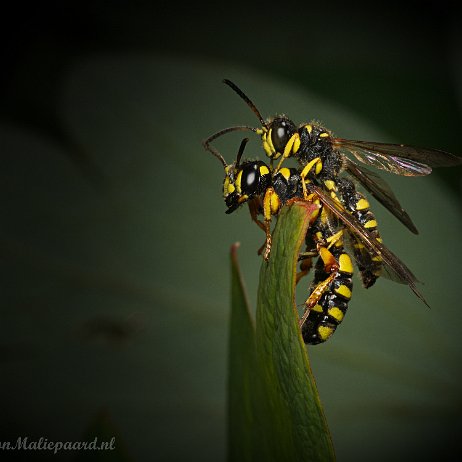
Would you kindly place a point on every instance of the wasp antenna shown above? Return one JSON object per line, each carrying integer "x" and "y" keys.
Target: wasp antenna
{"x": 247, "y": 100}
{"x": 213, "y": 151}
{"x": 241, "y": 151}
{"x": 238, "y": 128}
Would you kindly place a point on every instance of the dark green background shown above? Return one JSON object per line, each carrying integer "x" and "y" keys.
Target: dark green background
{"x": 114, "y": 241}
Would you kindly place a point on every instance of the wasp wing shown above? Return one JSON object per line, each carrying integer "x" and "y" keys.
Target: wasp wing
{"x": 381, "y": 191}
{"x": 393, "y": 266}
{"x": 399, "y": 159}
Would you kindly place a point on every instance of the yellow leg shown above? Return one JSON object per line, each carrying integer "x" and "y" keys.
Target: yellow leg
{"x": 279, "y": 164}
{"x": 291, "y": 147}
{"x": 330, "y": 266}
{"x": 271, "y": 205}
{"x": 334, "y": 238}
{"x": 315, "y": 162}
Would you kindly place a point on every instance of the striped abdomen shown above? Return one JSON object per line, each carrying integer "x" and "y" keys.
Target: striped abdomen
{"x": 328, "y": 312}
{"x": 369, "y": 265}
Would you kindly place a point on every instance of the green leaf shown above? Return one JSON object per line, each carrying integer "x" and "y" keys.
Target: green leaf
{"x": 274, "y": 409}
{"x": 241, "y": 372}
{"x": 298, "y": 428}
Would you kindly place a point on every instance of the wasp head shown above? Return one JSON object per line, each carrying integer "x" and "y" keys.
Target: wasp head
{"x": 244, "y": 182}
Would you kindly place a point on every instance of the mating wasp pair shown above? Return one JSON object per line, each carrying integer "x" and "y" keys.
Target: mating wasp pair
{"x": 326, "y": 177}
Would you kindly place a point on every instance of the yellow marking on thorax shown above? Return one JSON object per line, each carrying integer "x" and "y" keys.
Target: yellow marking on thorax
{"x": 336, "y": 313}
{"x": 323, "y": 135}
{"x": 330, "y": 185}
{"x": 317, "y": 308}
{"x": 344, "y": 291}
{"x": 264, "y": 170}
{"x": 285, "y": 172}
{"x": 309, "y": 128}
{"x": 325, "y": 332}
{"x": 362, "y": 204}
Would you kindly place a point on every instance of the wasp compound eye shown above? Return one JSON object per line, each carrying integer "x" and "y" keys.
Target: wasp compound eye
{"x": 281, "y": 131}
{"x": 250, "y": 179}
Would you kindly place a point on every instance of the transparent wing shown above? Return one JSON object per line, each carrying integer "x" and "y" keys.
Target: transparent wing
{"x": 397, "y": 158}
{"x": 381, "y": 191}
{"x": 393, "y": 267}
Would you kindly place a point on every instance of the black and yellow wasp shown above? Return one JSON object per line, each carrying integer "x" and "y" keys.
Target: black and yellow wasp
{"x": 325, "y": 177}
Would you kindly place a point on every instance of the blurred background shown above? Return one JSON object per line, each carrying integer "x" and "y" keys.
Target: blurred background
{"x": 114, "y": 242}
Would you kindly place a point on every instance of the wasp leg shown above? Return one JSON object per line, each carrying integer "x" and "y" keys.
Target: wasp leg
{"x": 254, "y": 209}
{"x": 306, "y": 258}
{"x": 268, "y": 241}
{"x": 271, "y": 206}
{"x": 317, "y": 165}
{"x": 331, "y": 292}
{"x": 329, "y": 267}
{"x": 306, "y": 263}
{"x": 290, "y": 148}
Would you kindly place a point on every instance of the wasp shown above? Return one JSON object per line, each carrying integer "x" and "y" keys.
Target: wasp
{"x": 335, "y": 222}
{"x": 324, "y": 157}
{"x": 328, "y": 177}
{"x": 328, "y": 174}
